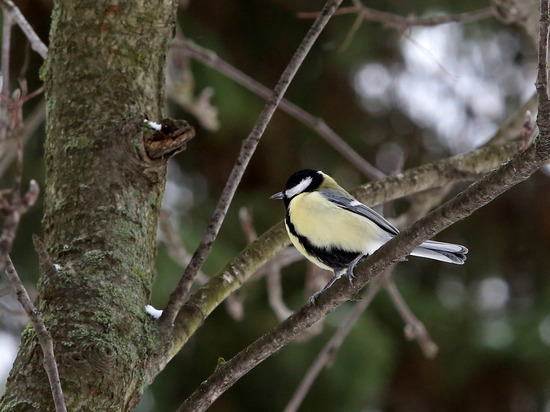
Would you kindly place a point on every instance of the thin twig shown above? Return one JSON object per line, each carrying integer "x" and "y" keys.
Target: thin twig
{"x": 211, "y": 59}
{"x": 49, "y": 269}
{"x": 7, "y": 24}
{"x": 351, "y": 33}
{"x": 414, "y": 328}
{"x": 476, "y": 196}
{"x": 234, "y": 306}
{"x": 275, "y": 240}
{"x": 398, "y": 22}
{"x": 245, "y": 219}
{"x": 518, "y": 169}
{"x": 528, "y": 130}
{"x": 30, "y": 125}
{"x": 247, "y": 150}
{"x": 401, "y": 23}
{"x": 330, "y": 350}
{"x": 174, "y": 245}
{"x": 272, "y": 269}
{"x": 6, "y": 123}
{"x": 36, "y": 44}
{"x": 11, "y": 222}
{"x": 542, "y": 73}
{"x": 42, "y": 334}
{"x": 286, "y": 258}
{"x": 275, "y": 291}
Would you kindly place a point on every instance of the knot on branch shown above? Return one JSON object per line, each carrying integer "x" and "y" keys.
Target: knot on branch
{"x": 170, "y": 137}
{"x": 101, "y": 356}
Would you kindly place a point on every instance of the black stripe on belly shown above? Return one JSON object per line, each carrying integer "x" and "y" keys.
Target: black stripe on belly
{"x": 337, "y": 259}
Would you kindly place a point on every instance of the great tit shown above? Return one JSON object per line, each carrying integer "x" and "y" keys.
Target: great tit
{"x": 335, "y": 231}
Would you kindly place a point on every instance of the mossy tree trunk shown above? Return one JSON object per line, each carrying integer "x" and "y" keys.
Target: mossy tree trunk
{"x": 104, "y": 74}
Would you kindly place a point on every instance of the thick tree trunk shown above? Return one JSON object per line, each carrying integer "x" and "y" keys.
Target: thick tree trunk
{"x": 104, "y": 74}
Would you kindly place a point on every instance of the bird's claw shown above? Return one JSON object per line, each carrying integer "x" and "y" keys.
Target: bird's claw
{"x": 313, "y": 298}
{"x": 350, "y": 275}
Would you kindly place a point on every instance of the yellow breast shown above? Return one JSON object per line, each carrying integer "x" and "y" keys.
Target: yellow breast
{"x": 327, "y": 225}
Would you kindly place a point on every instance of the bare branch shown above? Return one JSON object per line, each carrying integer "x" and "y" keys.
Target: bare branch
{"x": 468, "y": 166}
{"x": 275, "y": 292}
{"x": 31, "y": 123}
{"x": 509, "y": 129}
{"x": 423, "y": 202}
{"x": 401, "y": 23}
{"x": 14, "y": 211}
{"x": 247, "y": 150}
{"x": 245, "y": 218}
{"x": 542, "y": 73}
{"x": 210, "y": 59}
{"x": 476, "y": 196}
{"x": 7, "y": 24}
{"x": 351, "y": 33}
{"x": 5, "y": 118}
{"x": 330, "y": 350}
{"x": 414, "y": 328}
{"x": 234, "y": 306}
{"x": 36, "y": 44}
{"x": 48, "y": 267}
{"x": 440, "y": 173}
{"x": 528, "y": 130}
{"x": 273, "y": 241}
{"x": 285, "y": 258}
{"x": 272, "y": 269}
{"x": 42, "y": 334}
{"x": 518, "y": 169}
{"x": 175, "y": 247}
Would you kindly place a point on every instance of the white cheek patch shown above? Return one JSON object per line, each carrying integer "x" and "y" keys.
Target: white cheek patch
{"x": 299, "y": 188}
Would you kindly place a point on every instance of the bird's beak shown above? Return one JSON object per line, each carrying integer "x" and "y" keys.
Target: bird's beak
{"x": 277, "y": 196}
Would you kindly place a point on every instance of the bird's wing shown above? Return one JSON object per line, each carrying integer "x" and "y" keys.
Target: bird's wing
{"x": 355, "y": 206}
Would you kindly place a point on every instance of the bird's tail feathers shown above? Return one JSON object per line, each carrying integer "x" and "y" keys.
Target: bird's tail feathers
{"x": 444, "y": 252}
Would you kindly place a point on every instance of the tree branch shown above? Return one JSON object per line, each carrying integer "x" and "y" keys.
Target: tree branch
{"x": 518, "y": 169}
{"x": 235, "y": 273}
{"x": 414, "y": 328}
{"x": 174, "y": 245}
{"x": 399, "y": 22}
{"x": 273, "y": 241}
{"x": 476, "y": 196}
{"x": 7, "y": 23}
{"x": 341, "y": 291}
{"x": 330, "y": 350}
{"x": 44, "y": 338}
{"x": 247, "y": 150}
{"x": 211, "y": 59}
{"x": 423, "y": 202}
{"x": 36, "y": 44}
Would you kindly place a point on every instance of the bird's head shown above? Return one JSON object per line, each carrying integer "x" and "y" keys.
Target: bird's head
{"x": 305, "y": 180}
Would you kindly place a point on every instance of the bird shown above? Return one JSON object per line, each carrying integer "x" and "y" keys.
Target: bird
{"x": 335, "y": 231}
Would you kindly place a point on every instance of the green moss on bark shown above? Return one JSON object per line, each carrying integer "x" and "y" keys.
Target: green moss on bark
{"x": 103, "y": 75}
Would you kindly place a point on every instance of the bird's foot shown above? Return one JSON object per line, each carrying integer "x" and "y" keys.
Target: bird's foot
{"x": 313, "y": 298}
{"x": 349, "y": 272}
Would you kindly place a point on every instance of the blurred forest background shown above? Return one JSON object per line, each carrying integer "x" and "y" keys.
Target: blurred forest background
{"x": 400, "y": 98}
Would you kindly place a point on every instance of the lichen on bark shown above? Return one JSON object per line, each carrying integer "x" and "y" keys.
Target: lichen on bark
{"x": 104, "y": 75}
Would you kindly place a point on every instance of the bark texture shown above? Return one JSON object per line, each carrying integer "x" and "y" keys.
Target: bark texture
{"x": 103, "y": 76}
